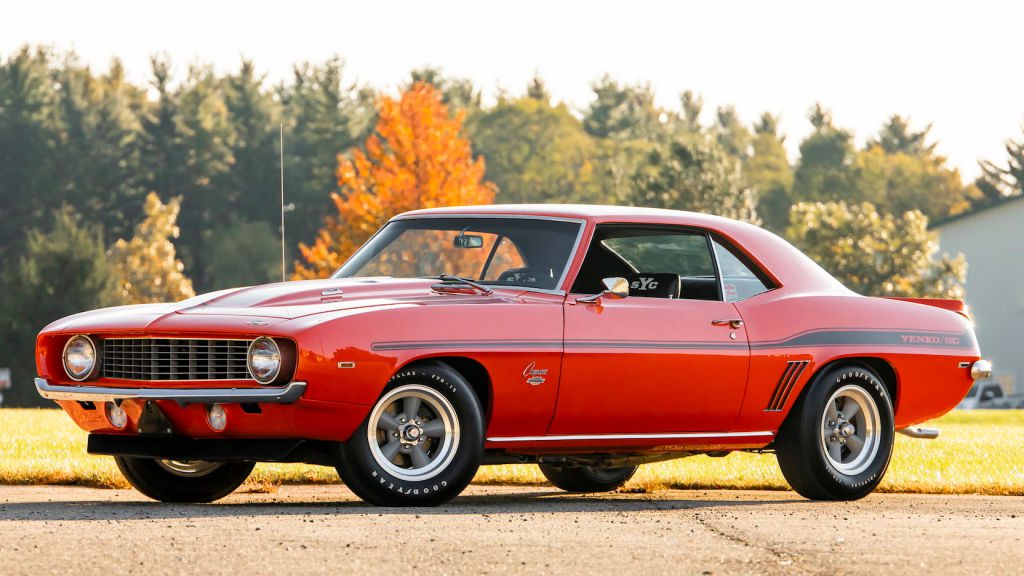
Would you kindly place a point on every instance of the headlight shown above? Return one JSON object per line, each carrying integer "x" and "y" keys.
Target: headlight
{"x": 264, "y": 360}
{"x": 79, "y": 358}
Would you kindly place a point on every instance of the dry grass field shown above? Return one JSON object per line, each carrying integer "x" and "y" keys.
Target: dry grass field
{"x": 977, "y": 452}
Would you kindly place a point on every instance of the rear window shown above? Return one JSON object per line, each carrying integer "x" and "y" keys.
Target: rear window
{"x": 739, "y": 281}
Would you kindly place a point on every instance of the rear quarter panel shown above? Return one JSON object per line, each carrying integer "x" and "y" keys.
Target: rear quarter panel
{"x": 923, "y": 345}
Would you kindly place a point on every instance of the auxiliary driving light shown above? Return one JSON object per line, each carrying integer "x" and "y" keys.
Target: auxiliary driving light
{"x": 116, "y": 415}
{"x": 217, "y": 417}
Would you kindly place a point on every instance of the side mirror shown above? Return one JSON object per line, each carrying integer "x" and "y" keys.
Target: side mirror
{"x": 614, "y": 289}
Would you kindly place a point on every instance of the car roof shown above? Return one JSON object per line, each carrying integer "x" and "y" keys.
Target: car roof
{"x": 773, "y": 254}
{"x": 581, "y": 211}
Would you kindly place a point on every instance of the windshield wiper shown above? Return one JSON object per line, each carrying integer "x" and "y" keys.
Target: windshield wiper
{"x": 459, "y": 279}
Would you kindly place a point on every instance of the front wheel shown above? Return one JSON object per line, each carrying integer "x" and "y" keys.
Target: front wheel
{"x": 587, "y": 478}
{"x": 183, "y": 480}
{"x": 837, "y": 440}
{"x": 421, "y": 443}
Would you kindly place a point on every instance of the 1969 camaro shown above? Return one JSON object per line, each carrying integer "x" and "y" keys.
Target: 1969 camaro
{"x": 585, "y": 339}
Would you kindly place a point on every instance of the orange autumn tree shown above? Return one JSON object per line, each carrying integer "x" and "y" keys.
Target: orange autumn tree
{"x": 415, "y": 158}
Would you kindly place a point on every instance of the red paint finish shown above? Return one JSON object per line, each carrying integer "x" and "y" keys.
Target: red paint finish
{"x": 650, "y": 365}
{"x": 632, "y": 375}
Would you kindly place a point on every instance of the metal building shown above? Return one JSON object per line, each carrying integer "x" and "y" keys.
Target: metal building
{"x": 992, "y": 239}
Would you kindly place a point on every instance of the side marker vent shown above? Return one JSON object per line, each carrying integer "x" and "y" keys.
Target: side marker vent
{"x": 794, "y": 369}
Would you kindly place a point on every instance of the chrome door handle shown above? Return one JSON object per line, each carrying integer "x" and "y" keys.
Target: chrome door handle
{"x": 732, "y": 323}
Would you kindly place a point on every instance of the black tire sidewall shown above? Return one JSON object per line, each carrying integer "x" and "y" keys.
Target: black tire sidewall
{"x": 371, "y": 482}
{"x": 151, "y": 479}
{"x": 587, "y": 478}
{"x": 837, "y": 484}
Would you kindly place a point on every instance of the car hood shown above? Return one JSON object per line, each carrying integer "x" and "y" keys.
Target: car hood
{"x": 280, "y": 301}
{"x": 289, "y": 300}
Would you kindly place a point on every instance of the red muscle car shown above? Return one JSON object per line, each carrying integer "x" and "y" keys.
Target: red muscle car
{"x": 586, "y": 339}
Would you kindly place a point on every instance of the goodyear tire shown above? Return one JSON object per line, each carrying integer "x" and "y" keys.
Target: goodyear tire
{"x": 587, "y": 478}
{"x": 422, "y": 442}
{"x": 183, "y": 481}
{"x": 838, "y": 438}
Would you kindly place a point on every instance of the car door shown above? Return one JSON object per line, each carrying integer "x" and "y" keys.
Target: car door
{"x": 657, "y": 361}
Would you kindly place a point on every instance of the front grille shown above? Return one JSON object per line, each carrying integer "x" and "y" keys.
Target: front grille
{"x": 175, "y": 359}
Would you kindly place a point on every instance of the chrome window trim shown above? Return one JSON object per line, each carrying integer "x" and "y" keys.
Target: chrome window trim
{"x": 565, "y": 271}
{"x": 276, "y": 395}
{"x": 670, "y": 436}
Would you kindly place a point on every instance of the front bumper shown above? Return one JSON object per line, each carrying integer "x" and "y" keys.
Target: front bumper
{"x": 183, "y": 396}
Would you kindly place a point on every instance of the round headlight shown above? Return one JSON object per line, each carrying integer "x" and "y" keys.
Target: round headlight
{"x": 264, "y": 360}
{"x": 79, "y": 358}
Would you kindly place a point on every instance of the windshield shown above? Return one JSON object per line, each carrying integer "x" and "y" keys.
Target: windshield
{"x": 525, "y": 252}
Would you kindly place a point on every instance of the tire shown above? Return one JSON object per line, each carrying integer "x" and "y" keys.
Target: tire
{"x": 173, "y": 481}
{"x": 393, "y": 459}
{"x": 587, "y": 478}
{"x": 827, "y": 455}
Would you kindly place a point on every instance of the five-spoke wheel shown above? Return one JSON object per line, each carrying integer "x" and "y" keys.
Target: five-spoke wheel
{"x": 849, "y": 430}
{"x": 837, "y": 440}
{"x": 413, "y": 432}
{"x": 421, "y": 443}
{"x": 183, "y": 480}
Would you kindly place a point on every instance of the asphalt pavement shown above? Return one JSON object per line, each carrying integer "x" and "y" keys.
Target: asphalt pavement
{"x": 507, "y": 529}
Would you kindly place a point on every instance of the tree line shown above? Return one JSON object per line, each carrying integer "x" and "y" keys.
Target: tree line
{"x": 113, "y": 192}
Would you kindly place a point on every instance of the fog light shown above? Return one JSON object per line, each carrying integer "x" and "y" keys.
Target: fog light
{"x": 217, "y": 417}
{"x": 115, "y": 415}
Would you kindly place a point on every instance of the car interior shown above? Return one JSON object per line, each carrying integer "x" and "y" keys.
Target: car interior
{"x": 657, "y": 263}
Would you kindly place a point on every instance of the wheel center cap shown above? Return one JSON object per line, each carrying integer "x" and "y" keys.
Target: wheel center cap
{"x": 412, "y": 433}
{"x": 846, "y": 430}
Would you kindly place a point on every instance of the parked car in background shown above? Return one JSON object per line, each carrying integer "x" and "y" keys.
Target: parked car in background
{"x": 989, "y": 395}
{"x": 586, "y": 339}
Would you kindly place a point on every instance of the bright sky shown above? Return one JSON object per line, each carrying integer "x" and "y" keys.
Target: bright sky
{"x": 956, "y": 65}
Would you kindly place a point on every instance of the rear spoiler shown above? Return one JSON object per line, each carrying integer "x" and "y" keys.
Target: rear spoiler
{"x": 950, "y": 304}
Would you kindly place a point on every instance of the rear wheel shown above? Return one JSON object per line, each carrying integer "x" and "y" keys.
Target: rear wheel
{"x": 587, "y": 478}
{"x": 183, "y": 480}
{"x": 421, "y": 443}
{"x": 838, "y": 438}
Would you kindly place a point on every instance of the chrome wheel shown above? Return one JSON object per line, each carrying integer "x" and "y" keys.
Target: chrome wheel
{"x": 189, "y": 468}
{"x": 413, "y": 432}
{"x": 850, "y": 427}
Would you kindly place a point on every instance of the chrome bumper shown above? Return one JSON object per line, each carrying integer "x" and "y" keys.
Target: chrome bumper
{"x": 981, "y": 369}
{"x": 274, "y": 395}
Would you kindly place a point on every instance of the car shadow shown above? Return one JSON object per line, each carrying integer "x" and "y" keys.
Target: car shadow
{"x": 548, "y": 502}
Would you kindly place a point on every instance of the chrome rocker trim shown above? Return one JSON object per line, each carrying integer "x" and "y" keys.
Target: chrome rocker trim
{"x": 276, "y": 395}
{"x": 671, "y": 436}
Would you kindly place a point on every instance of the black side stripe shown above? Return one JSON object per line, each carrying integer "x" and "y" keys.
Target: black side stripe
{"x": 854, "y": 337}
{"x": 794, "y": 370}
{"x": 809, "y": 339}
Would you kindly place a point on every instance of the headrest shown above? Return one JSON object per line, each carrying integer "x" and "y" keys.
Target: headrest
{"x": 654, "y": 284}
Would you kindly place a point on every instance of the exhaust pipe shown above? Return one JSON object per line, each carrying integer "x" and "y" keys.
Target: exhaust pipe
{"x": 919, "y": 432}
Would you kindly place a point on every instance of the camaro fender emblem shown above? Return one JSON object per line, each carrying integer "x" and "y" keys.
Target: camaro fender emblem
{"x": 534, "y": 376}
{"x": 257, "y": 322}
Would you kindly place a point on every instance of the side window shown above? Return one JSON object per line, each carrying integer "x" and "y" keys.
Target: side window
{"x": 738, "y": 280}
{"x": 657, "y": 261}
